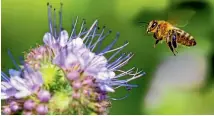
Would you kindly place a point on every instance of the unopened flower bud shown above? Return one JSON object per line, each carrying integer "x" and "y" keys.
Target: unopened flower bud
{"x": 7, "y": 111}
{"x": 77, "y": 84}
{"x": 87, "y": 81}
{"x": 28, "y": 113}
{"x": 14, "y": 106}
{"x": 73, "y": 75}
{"x": 42, "y": 109}
{"x": 44, "y": 96}
{"x": 76, "y": 95}
{"x": 29, "y": 104}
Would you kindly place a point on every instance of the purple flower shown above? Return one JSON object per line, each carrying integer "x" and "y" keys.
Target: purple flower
{"x": 29, "y": 105}
{"x": 73, "y": 75}
{"x": 27, "y": 113}
{"x": 14, "y": 106}
{"x": 44, "y": 96}
{"x": 20, "y": 83}
{"x": 68, "y": 70}
{"x": 76, "y": 95}
{"x": 42, "y": 109}
{"x": 77, "y": 85}
{"x": 81, "y": 53}
{"x": 7, "y": 111}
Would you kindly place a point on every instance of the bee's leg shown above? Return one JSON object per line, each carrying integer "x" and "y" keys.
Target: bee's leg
{"x": 154, "y": 35}
{"x": 176, "y": 50}
{"x": 171, "y": 48}
{"x": 156, "y": 42}
{"x": 174, "y": 43}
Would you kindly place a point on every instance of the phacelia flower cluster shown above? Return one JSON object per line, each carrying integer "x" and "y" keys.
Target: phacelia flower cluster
{"x": 69, "y": 74}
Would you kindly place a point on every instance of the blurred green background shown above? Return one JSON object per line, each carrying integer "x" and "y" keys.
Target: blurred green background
{"x": 24, "y": 23}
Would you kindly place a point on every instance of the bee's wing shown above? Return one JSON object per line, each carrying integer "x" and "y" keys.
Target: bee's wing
{"x": 180, "y": 18}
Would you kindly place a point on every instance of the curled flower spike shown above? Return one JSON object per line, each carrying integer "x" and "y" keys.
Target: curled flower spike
{"x": 70, "y": 73}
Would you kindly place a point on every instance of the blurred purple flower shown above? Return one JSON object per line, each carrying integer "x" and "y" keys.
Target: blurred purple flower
{"x": 42, "y": 109}
{"x": 20, "y": 83}
{"x": 7, "y": 111}
{"x": 44, "y": 96}
{"x": 29, "y": 105}
{"x": 14, "y": 106}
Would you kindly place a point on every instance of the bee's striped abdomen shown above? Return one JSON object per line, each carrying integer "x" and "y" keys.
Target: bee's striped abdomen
{"x": 185, "y": 38}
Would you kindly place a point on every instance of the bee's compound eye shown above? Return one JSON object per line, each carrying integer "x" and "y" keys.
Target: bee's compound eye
{"x": 154, "y": 24}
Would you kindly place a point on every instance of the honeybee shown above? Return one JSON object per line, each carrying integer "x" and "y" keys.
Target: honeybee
{"x": 168, "y": 31}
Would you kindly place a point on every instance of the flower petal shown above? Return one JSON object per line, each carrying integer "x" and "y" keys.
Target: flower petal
{"x": 5, "y": 85}
{"x": 4, "y": 95}
{"x": 101, "y": 60}
{"x": 63, "y": 38}
{"x": 75, "y": 44}
{"x": 13, "y": 72}
{"x": 16, "y": 84}
{"x": 22, "y": 94}
{"x": 48, "y": 39}
{"x": 28, "y": 78}
{"x": 71, "y": 58}
{"x": 11, "y": 91}
{"x": 19, "y": 79}
{"x": 88, "y": 56}
{"x": 111, "y": 74}
{"x": 102, "y": 76}
{"x": 59, "y": 58}
{"x": 107, "y": 88}
{"x": 37, "y": 78}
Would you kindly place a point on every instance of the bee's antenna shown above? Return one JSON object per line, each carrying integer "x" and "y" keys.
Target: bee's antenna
{"x": 144, "y": 25}
{"x": 144, "y": 22}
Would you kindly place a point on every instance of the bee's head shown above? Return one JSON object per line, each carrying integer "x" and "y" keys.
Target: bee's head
{"x": 152, "y": 26}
